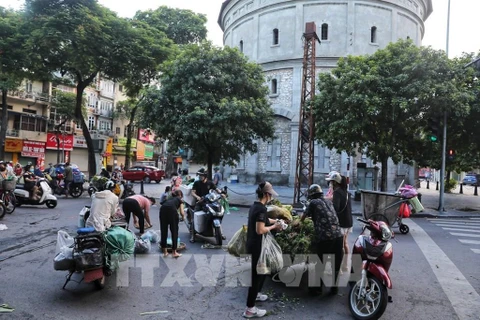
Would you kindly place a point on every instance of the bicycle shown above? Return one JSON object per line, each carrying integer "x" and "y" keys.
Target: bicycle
{"x": 7, "y": 195}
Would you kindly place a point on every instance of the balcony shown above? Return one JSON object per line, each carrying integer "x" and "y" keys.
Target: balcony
{"x": 30, "y": 95}
{"x": 13, "y": 133}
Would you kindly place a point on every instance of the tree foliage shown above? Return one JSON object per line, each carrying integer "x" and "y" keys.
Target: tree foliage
{"x": 81, "y": 39}
{"x": 12, "y": 62}
{"x": 379, "y": 104}
{"x": 213, "y": 101}
{"x": 181, "y": 26}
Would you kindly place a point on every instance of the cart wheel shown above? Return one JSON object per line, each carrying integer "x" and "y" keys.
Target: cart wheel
{"x": 404, "y": 229}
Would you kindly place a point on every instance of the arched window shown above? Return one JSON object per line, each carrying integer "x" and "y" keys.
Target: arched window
{"x": 324, "y": 32}
{"x": 274, "y": 87}
{"x": 275, "y": 36}
{"x": 241, "y": 46}
{"x": 373, "y": 35}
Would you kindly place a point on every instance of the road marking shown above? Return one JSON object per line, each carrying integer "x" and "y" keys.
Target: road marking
{"x": 462, "y": 295}
{"x": 476, "y": 250}
{"x": 469, "y": 241}
{"x": 459, "y": 226}
{"x": 470, "y": 223}
{"x": 454, "y": 220}
{"x": 459, "y": 229}
{"x": 465, "y": 235}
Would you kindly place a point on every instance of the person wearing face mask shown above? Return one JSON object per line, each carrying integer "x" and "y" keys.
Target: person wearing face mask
{"x": 30, "y": 181}
{"x": 258, "y": 225}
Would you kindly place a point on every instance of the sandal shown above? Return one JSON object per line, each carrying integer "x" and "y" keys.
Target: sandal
{"x": 136, "y": 225}
{"x": 147, "y": 225}
{"x": 178, "y": 255}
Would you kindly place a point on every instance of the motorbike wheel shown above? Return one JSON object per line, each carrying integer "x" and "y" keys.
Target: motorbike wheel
{"x": 100, "y": 283}
{"x": 76, "y": 191}
{"x": 51, "y": 204}
{"x": 370, "y": 304}
{"x": 2, "y": 210}
{"x": 9, "y": 203}
{"x": 218, "y": 236}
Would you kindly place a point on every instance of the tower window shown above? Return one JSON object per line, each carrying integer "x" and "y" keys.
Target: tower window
{"x": 275, "y": 36}
{"x": 274, "y": 86}
{"x": 241, "y": 46}
{"x": 373, "y": 35}
{"x": 324, "y": 31}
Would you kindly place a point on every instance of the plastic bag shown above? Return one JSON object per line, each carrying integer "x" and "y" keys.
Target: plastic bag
{"x": 142, "y": 246}
{"x": 119, "y": 215}
{"x": 151, "y": 236}
{"x": 64, "y": 243}
{"x": 120, "y": 244}
{"x": 416, "y": 205}
{"x": 408, "y": 191}
{"x": 238, "y": 244}
{"x": 404, "y": 210}
{"x": 271, "y": 260}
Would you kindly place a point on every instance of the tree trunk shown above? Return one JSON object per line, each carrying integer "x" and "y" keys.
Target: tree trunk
{"x": 92, "y": 164}
{"x": 169, "y": 166}
{"x": 129, "y": 137}
{"x": 3, "y": 129}
{"x": 57, "y": 133}
{"x": 383, "y": 184}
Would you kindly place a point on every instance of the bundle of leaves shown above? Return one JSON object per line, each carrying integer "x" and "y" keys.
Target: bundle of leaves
{"x": 99, "y": 182}
{"x": 296, "y": 239}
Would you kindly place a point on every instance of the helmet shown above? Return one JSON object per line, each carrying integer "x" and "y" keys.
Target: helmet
{"x": 109, "y": 185}
{"x": 314, "y": 189}
{"x": 334, "y": 176}
{"x": 103, "y": 168}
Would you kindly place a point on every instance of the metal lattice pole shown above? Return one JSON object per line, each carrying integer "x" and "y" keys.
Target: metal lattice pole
{"x": 305, "y": 152}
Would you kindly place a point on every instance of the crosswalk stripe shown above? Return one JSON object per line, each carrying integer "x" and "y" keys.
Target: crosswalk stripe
{"x": 469, "y": 241}
{"x": 465, "y": 235}
{"x": 476, "y": 250}
{"x": 462, "y": 295}
{"x": 454, "y": 220}
{"x": 458, "y": 225}
{"x": 472, "y": 223}
{"x": 459, "y": 229}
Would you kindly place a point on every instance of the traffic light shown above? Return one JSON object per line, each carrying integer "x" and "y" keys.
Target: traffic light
{"x": 434, "y": 131}
{"x": 450, "y": 154}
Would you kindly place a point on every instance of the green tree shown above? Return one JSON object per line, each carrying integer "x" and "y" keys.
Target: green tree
{"x": 12, "y": 62}
{"x": 64, "y": 104}
{"x": 181, "y": 26}
{"x": 82, "y": 40}
{"x": 379, "y": 104}
{"x": 213, "y": 101}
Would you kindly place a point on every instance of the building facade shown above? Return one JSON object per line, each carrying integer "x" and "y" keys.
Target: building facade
{"x": 270, "y": 32}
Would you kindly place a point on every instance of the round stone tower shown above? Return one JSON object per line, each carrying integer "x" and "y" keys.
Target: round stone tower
{"x": 270, "y": 32}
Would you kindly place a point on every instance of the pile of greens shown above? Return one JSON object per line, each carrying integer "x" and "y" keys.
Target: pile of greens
{"x": 296, "y": 239}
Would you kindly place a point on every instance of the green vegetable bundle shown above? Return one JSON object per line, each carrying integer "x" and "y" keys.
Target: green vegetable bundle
{"x": 296, "y": 239}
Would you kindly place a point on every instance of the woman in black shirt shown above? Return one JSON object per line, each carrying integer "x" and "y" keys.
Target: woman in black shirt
{"x": 258, "y": 225}
{"x": 169, "y": 217}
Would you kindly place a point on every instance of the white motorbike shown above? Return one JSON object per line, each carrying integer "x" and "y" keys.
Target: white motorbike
{"x": 46, "y": 196}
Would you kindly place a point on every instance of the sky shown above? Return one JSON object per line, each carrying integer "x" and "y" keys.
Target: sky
{"x": 464, "y": 20}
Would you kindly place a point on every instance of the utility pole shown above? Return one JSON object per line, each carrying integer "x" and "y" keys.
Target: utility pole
{"x": 304, "y": 168}
{"x": 441, "y": 207}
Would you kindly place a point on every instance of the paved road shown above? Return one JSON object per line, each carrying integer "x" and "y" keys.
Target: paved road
{"x": 29, "y": 283}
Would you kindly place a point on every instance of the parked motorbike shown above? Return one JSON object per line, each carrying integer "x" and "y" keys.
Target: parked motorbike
{"x": 122, "y": 190}
{"x": 57, "y": 185}
{"x": 368, "y": 297}
{"x": 46, "y": 196}
{"x": 206, "y": 224}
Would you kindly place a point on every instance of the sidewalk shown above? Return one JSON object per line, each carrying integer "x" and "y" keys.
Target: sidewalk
{"x": 456, "y": 205}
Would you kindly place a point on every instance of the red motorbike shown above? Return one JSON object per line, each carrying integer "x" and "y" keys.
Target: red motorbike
{"x": 368, "y": 296}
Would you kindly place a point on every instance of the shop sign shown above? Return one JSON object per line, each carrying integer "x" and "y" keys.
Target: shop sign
{"x": 65, "y": 141}
{"x": 109, "y": 148}
{"x": 148, "y": 151}
{"x": 146, "y": 135}
{"x": 34, "y": 149}
{"x": 79, "y": 142}
{"x": 13, "y": 145}
{"x": 140, "y": 150}
{"x": 122, "y": 142}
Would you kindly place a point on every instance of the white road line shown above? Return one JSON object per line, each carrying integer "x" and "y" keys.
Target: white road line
{"x": 470, "y": 223}
{"x": 454, "y": 220}
{"x": 466, "y": 241}
{"x": 462, "y": 295}
{"x": 458, "y": 226}
{"x": 465, "y": 235}
{"x": 476, "y": 250}
{"x": 459, "y": 229}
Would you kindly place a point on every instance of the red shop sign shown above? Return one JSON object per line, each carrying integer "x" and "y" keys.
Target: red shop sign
{"x": 65, "y": 140}
{"x": 34, "y": 149}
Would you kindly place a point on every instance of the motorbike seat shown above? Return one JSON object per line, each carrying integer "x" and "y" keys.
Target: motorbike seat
{"x": 86, "y": 230}
{"x": 20, "y": 186}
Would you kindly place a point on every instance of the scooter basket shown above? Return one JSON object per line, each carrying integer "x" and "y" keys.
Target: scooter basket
{"x": 8, "y": 185}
